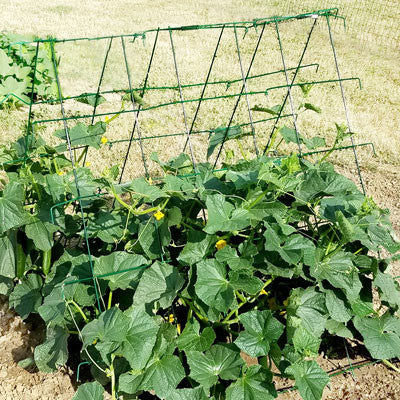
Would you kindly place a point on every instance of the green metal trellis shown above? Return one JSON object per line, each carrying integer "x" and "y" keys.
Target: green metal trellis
{"x": 290, "y": 74}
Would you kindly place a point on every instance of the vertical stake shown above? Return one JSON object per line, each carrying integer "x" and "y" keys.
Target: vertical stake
{"x": 182, "y": 101}
{"x": 29, "y": 131}
{"x": 291, "y": 84}
{"x": 86, "y": 149}
{"x": 72, "y": 158}
{"x": 344, "y": 103}
{"x": 253, "y": 131}
{"x": 240, "y": 95}
{"x": 205, "y": 85}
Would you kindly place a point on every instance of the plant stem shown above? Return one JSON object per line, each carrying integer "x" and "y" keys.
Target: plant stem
{"x": 390, "y": 365}
{"x": 113, "y": 393}
{"x": 78, "y": 309}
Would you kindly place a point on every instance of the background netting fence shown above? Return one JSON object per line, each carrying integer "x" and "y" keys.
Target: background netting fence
{"x": 368, "y": 20}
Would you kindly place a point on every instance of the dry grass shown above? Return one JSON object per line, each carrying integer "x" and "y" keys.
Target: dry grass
{"x": 374, "y": 111}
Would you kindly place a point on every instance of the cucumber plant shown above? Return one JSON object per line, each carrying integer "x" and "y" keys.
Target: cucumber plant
{"x": 267, "y": 258}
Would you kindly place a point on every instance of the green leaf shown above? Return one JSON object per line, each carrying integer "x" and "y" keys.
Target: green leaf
{"x": 26, "y": 296}
{"x": 312, "y": 107}
{"x": 261, "y": 328}
{"x": 389, "y": 289}
{"x": 289, "y": 135}
{"x": 111, "y": 326}
{"x": 197, "y": 246}
{"x": 338, "y": 328}
{"x": 272, "y": 110}
{"x": 222, "y": 215}
{"x": 314, "y": 142}
{"x": 87, "y": 98}
{"x": 129, "y": 382}
{"x": 255, "y": 384}
{"x": 12, "y": 213}
{"x": 8, "y": 255}
{"x": 187, "y": 394}
{"x": 192, "y": 339}
{"x": 41, "y": 233}
{"x": 305, "y": 343}
{"x": 89, "y": 391}
{"x": 212, "y": 286}
{"x": 160, "y": 282}
{"x": 245, "y": 281}
{"x": 124, "y": 269}
{"x": 140, "y": 337}
{"x": 83, "y": 135}
{"x": 221, "y": 135}
{"x": 310, "y": 378}
{"x": 152, "y": 236}
{"x": 53, "y": 353}
{"x": 336, "y": 306}
{"x": 5, "y": 62}
{"x": 340, "y": 272}
{"x": 381, "y": 335}
{"x": 140, "y": 188}
{"x": 306, "y": 308}
{"x": 220, "y": 361}
{"x": 163, "y": 376}
{"x": 291, "y": 250}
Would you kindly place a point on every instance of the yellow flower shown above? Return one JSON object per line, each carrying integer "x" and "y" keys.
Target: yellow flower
{"x": 87, "y": 164}
{"x": 272, "y": 303}
{"x": 171, "y": 318}
{"x": 220, "y": 244}
{"x": 286, "y": 302}
{"x": 158, "y": 215}
{"x": 103, "y": 140}
{"x": 106, "y": 119}
{"x": 178, "y": 328}
{"x": 60, "y": 173}
{"x": 263, "y": 292}
{"x": 150, "y": 181}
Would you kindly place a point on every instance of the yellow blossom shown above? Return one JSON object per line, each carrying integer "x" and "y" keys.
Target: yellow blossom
{"x": 171, "y": 318}
{"x": 150, "y": 181}
{"x": 103, "y": 140}
{"x": 158, "y": 215}
{"x": 262, "y": 291}
{"x": 106, "y": 119}
{"x": 60, "y": 173}
{"x": 220, "y": 244}
{"x": 272, "y": 303}
{"x": 286, "y": 302}
{"x": 87, "y": 164}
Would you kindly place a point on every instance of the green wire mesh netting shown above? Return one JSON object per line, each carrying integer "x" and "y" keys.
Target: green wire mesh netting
{"x": 368, "y": 20}
{"x": 179, "y": 85}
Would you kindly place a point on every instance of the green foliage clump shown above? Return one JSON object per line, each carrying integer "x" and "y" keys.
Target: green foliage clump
{"x": 268, "y": 258}
{"x": 17, "y": 66}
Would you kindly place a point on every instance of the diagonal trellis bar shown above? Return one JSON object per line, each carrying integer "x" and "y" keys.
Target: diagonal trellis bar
{"x": 204, "y": 85}
{"x": 345, "y": 104}
{"x": 290, "y": 86}
{"x": 240, "y": 95}
{"x": 182, "y": 101}
{"x": 253, "y": 132}
{"x": 136, "y": 123}
{"x": 76, "y": 180}
{"x": 86, "y": 149}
